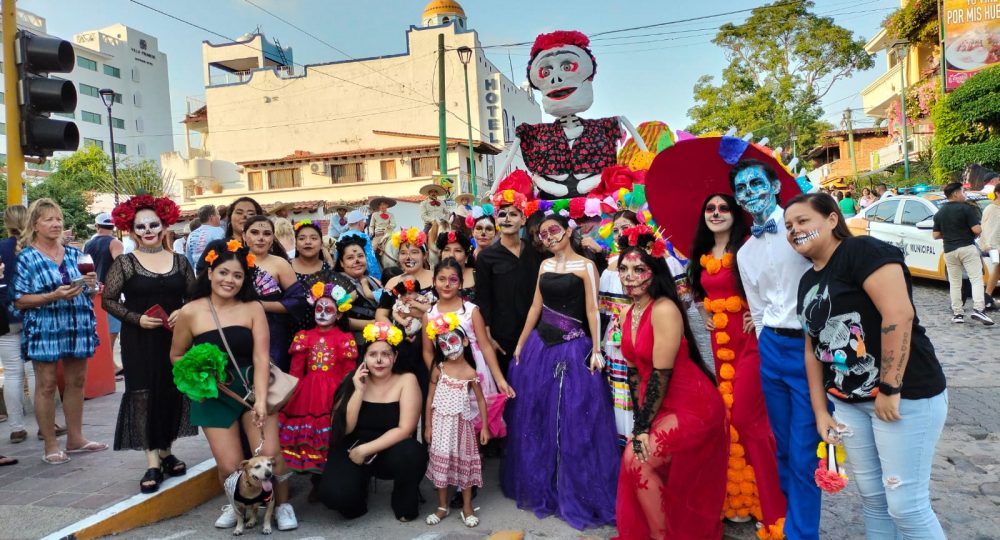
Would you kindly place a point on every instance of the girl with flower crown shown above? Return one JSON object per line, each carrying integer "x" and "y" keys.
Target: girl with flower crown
{"x": 321, "y": 358}
{"x": 374, "y": 419}
{"x": 153, "y": 414}
{"x": 754, "y": 491}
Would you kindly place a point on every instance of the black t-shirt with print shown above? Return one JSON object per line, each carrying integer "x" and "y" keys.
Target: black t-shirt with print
{"x": 845, "y": 326}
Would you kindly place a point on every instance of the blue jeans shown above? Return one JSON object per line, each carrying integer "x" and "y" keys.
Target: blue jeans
{"x": 890, "y": 462}
{"x": 786, "y": 394}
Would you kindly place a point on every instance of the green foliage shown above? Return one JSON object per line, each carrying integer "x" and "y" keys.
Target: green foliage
{"x": 917, "y": 22}
{"x": 135, "y": 178}
{"x": 782, "y": 61}
{"x": 967, "y": 126}
{"x": 87, "y": 167}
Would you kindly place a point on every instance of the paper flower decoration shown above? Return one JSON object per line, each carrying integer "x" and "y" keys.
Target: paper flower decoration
{"x": 829, "y": 475}
{"x": 234, "y": 245}
{"x": 211, "y": 256}
{"x": 442, "y": 323}
{"x": 334, "y": 292}
{"x": 198, "y": 371}
{"x": 412, "y": 236}
{"x": 251, "y": 260}
{"x": 382, "y": 331}
{"x": 301, "y": 223}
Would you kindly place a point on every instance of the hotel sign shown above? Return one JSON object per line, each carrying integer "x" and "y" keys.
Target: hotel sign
{"x": 493, "y": 108}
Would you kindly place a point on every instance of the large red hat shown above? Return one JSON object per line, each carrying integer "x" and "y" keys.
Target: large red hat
{"x": 683, "y": 175}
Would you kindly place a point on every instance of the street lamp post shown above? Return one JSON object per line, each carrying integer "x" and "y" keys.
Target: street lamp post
{"x": 108, "y": 97}
{"x": 903, "y": 52}
{"x": 465, "y": 55}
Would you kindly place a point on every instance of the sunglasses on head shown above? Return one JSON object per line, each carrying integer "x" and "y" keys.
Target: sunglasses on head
{"x": 721, "y": 208}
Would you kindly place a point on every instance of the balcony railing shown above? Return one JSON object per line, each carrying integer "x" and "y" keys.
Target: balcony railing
{"x": 230, "y": 77}
{"x": 893, "y": 153}
{"x": 876, "y": 97}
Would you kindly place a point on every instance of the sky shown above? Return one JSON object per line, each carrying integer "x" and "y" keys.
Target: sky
{"x": 642, "y": 74}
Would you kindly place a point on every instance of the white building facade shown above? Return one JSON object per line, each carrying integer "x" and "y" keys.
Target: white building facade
{"x": 345, "y": 130}
{"x": 130, "y": 63}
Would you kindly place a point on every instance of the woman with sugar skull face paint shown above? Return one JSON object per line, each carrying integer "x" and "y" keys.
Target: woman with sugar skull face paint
{"x": 153, "y": 413}
{"x": 673, "y": 471}
{"x": 570, "y": 471}
{"x": 321, "y": 358}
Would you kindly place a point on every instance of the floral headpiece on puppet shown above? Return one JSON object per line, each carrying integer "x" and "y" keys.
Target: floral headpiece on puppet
{"x": 644, "y": 237}
{"x": 232, "y": 246}
{"x": 514, "y": 190}
{"x": 123, "y": 215}
{"x": 442, "y": 323}
{"x": 413, "y": 236}
{"x": 830, "y": 475}
{"x": 334, "y": 292}
{"x": 382, "y": 331}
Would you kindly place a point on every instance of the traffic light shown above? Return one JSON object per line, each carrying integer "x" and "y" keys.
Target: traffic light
{"x": 39, "y": 96}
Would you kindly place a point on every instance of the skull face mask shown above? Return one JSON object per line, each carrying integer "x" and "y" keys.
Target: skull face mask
{"x": 564, "y": 76}
{"x": 325, "y": 312}
{"x": 450, "y": 344}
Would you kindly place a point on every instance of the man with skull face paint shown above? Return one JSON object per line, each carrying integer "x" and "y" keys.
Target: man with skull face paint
{"x": 770, "y": 270}
{"x": 566, "y": 157}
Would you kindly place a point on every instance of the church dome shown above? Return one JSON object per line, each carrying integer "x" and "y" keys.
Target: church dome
{"x": 442, "y": 7}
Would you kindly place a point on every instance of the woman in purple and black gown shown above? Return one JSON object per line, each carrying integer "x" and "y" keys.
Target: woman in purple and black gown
{"x": 561, "y": 457}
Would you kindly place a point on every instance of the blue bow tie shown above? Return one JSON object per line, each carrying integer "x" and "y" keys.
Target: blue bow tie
{"x": 758, "y": 230}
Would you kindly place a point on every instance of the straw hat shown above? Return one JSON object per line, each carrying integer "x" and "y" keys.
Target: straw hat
{"x": 426, "y": 189}
{"x": 340, "y": 204}
{"x": 279, "y": 206}
{"x": 464, "y": 198}
{"x": 376, "y": 201}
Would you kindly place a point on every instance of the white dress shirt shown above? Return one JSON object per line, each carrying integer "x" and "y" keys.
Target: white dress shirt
{"x": 770, "y": 270}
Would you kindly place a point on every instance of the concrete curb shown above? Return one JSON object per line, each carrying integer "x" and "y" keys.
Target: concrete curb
{"x": 175, "y": 497}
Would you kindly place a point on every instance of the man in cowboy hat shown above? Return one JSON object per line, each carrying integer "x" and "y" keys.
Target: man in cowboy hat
{"x": 338, "y": 222}
{"x": 382, "y": 221}
{"x": 433, "y": 210}
{"x": 281, "y": 209}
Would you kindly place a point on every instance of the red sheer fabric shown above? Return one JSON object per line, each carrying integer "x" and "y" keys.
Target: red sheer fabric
{"x": 678, "y": 493}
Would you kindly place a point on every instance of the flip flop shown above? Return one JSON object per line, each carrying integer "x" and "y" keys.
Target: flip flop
{"x": 91, "y": 446}
{"x": 4, "y": 461}
{"x": 56, "y": 458}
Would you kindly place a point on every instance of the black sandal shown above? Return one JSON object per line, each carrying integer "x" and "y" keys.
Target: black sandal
{"x": 173, "y": 466}
{"x": 152, "y": 475}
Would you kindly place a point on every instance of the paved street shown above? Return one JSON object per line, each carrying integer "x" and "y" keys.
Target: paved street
{"x": 37, "y": 498}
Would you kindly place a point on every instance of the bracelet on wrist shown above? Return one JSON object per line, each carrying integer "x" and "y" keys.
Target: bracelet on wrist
{"x": 887, "y": 389}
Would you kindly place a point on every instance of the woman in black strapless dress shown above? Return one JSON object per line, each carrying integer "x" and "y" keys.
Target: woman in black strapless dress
{"x": 225, "y": 288}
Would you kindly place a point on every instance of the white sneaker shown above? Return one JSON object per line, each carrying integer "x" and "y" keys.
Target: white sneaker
{"x": 228, "y": 518}
{"x": 286, "y": 517}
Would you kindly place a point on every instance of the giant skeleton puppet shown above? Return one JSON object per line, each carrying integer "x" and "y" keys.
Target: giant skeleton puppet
{"x": 565, "y": 158}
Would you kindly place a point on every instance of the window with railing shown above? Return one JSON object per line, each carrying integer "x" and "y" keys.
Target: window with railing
{"x": 423, "y": 166}
{"x": 282, "y": 178}
{"x": 348, "y": 173}
{"x": 255, "y": 181}
{"x": 388, "y": 167}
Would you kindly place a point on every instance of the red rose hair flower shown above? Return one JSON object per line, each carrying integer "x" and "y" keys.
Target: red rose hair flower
{"x": 123, "y": 216}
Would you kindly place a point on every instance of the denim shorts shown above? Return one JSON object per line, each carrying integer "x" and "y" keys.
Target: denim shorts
{"x": 114, "y": 325}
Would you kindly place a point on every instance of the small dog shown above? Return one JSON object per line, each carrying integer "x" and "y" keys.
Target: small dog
{"x": 253, "y": 485}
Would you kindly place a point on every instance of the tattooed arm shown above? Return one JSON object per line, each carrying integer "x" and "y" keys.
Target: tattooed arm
{"x": 886, "y": 287}
{"x": 668, "y": 325}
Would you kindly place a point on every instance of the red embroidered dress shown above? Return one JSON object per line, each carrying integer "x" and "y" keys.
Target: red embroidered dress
{"x": 321, "y": 359}
{"x": 753, "y": 488}
{"x": 685, "y": 477}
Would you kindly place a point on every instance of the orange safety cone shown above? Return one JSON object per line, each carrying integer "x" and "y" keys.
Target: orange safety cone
{"x": 101, "y": 366}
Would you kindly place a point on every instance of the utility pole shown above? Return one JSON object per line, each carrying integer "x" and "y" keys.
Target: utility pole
{"x": 849, "y": 125}
{"x": 442, "y": 118}
{"x": 944, "y": 67}
{"x": 904, "y": 52}
{"x": 15, "y": 156}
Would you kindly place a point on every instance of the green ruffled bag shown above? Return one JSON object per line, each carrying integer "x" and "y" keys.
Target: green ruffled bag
{"x": 198, "y": 371}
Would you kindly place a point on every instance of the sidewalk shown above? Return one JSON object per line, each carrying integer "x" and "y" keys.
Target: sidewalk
{"x": 37, "y": 498}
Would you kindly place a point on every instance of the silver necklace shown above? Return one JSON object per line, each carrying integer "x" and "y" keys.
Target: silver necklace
{"x": 154, "y": 249}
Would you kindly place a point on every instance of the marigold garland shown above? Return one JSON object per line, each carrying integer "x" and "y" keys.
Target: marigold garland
{"x": 726, "y": 372}
{"x": 722, "y": 338}
{"x": 721, "y": 320}
{"x": 713, "y": 265}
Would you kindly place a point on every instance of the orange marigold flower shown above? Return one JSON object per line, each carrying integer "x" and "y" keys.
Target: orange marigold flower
{"x": 737, "y": 463}
{"x": 718, "y": 305}
{"x": 726, "y": 387}
{"x": 708, "y": 305}
{"x": 725, "y": 354}
{"x": 233, "y": 245}
{"x": 722, "y": 338}
{"x": 734, "y": 436}
{"x": 733, "y": 488}
{"x": 746, "y": 488}
{"x": 727, "y": 260}
{"x": 743, "y": 512}
{"x": 721, "y": 320}
{"x": 728, "y": 400}
{"x": 251, "y": 260}
{"x": 734, "y": 304}
{"x": 704, "y": 260}
{"x": 211, "y": 256}
{"x": 748, "y": 474}
{"x": 736, "y": 450}
{"x": 726, "y": 372}
{"x": 713, "y": 266}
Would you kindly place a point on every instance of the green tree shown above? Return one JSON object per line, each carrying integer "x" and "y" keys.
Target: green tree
{"x": 782, "y": 61}
{"x": 88, "y": 167}
{"x": 967, "y": 126}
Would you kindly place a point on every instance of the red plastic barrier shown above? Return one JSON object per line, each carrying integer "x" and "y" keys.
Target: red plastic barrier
{"x": 101, "y": 366}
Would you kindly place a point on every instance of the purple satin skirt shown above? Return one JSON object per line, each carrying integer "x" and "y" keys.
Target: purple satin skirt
{"x": 561, "y": 457}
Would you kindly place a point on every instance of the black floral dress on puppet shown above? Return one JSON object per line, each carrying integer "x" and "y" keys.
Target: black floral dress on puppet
{"x": 566, "y": 158}
{"x": 153, "y": 413}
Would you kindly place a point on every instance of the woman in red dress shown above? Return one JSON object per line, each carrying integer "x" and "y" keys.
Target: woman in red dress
{"x": 673, "y": 477}
{"x": 753, "y": 489}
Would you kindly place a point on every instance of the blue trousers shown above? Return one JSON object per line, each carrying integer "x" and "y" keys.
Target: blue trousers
{"x": 786, "y": 393}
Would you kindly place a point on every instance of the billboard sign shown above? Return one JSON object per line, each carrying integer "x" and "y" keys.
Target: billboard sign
{"x": 971, "y": 38}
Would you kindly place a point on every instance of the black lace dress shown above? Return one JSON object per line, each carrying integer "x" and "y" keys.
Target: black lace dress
{"x": 324, "y": 275}
{"x": 153, "y": 412}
